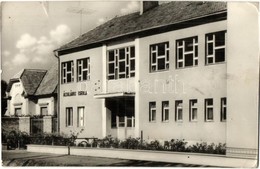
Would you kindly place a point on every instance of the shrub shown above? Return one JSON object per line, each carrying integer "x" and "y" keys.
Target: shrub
{"x": 154, "y": 145}
{"x": 130, "y": 143}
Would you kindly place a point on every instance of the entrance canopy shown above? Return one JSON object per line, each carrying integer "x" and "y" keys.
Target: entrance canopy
{"x": 115, "y": 94}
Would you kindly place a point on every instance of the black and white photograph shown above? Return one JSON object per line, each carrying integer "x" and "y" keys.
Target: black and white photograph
{"x": 130, "y": 83}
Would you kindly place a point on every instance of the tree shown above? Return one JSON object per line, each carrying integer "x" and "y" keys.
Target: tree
{"x": 3, "y": 97}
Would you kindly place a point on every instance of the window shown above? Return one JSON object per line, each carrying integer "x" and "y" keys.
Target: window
{"x": 223, "y": 110}
{"x": 121, "y": 63}
{"x": 67, "y": 72}
{"x": 187, "y": 52}
{"x": 193, "y": 110}
{"x": 178, "y": 110}
{"x": 215, "y": 47}
{"x": 81, "y": 117}
{"x": 165, "y": 111}
{"x": 44, "y": 111}
{"x": 159, "y": 57}
{"x": 209, "y": 109}
{"x": 152, "y": 111}
{"x": 83, "y": 69}
{"x": 18, "y": 111}
{"x": 69, "y": 116}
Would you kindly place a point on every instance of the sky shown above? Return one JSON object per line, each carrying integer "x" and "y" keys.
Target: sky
{"x": 32, "y": 30}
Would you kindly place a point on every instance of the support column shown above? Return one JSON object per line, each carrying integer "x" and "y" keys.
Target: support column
{"x": 47, "y": 124}
{"x": 242, "y": 80}
{"x": 137, "y": 89}
{"x": 24, "y": 124}
{"x": 104, "y": 90}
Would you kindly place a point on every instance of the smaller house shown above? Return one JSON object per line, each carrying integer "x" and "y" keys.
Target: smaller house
{"x": 32, "y": 96}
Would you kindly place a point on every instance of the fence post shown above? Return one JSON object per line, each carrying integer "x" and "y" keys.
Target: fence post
{"x": 141, "y": 137}
{"x": 68, "y": 149}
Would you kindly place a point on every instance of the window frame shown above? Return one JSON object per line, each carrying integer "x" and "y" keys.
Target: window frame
{"x": 192, "y": 107}
{"x": 69, "y": 116}
{"x": 177, "y": 108}
{"x": 79, "y": 118}
{"x": 87, "y": 69}
{"x": 166, "y": 56}
{"x": 152, "y": 108}
{"x": 193, "y": 52}
{"x": 223, "y": 106}
{"x": 165, "y": 106}
{"x": 65, "y": 72}
{"x": 213, "y": 56}
{"x": 127, "y": 60}
{"x": 208, "y": 107}
{"x": 42, "y": 107}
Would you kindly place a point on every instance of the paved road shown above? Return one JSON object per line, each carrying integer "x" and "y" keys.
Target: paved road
{"x": 24, "y": 158}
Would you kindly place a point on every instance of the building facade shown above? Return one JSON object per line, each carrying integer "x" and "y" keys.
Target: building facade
{"x": 173, "y": 71}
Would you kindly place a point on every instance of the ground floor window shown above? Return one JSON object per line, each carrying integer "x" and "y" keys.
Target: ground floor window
{"x": 44, "y": 111}
{"x": 80, "y": 120}
{"x": 152, "y": 111}
{"x": 18, "y": 111}
{"x": 223, "y": 110}
{"x": 165, "y": 111}
{"x": 69, "y": 116}
{"x": 178, "y": 110}
{"x": 193, "y": 110}
{"x": 209, "y": 109}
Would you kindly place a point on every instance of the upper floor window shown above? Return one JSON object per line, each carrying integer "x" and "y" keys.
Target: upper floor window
{"x": 223, "y": 111}
{"x": 165, "y": 111}
{"x": 187, "y": 52}
{"x": 121, "y": 63}
{"x": 215, "y": 47}
{"x": 67, "y": 72}
{"x": 83, "y": 69}
{"x": 159, "y": 57}
{"x": 209, "y": 109}
{"x": 178, "y": 110}
{"x": 193, "y": 110}
{"x": 152, "y": 111}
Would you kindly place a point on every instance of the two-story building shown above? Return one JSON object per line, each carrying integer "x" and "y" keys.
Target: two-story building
{"x": 33, "y": 93}
{"x": 179, "y": 70}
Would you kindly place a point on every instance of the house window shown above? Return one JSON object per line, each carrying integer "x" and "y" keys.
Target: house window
{"x": 18, "y": 111}
{"x": 209, "y": 109}
{"x": 187, "y": 52}
{"x": 152, "y": 111}
{"x": 193, "y": 110}
{"x": 67, "y": 72}
{"x": 44, "y": 111}
{"x": 165, "y": 111}
{"x": 83, "y": 69}
{"x": 159, "y": 57}
{"x": 223, "y": 110}
{"x": 178, "y": 110}
{"x": 69, "y": 116}
{"x": 215, "y": 47}
{"x": 81, "y": 117}
{"x": 121, "y": 63}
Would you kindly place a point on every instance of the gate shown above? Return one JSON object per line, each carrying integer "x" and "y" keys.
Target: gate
{"x": 36, "y": 126}
{"x": 54, "y": 124}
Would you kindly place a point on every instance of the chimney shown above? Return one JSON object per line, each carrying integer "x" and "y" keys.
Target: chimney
{"x": 147, "y": 5}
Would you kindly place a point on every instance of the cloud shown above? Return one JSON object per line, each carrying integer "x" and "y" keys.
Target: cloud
{"x": 6, "y": 53}
{"x": 20, "y": 59}
{"x": 132, "y": 6}
{"x": 100, "y": 21}
{"x": 61, "y": 34}
{"x": 26, "y": 41}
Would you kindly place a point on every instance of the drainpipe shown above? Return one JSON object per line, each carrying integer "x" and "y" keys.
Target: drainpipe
{"x": 56, "y": 54}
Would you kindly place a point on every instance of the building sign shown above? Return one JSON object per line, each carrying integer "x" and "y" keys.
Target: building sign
{"x": 74, "y": 93}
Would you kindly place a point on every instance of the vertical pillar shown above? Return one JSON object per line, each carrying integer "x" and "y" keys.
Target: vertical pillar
{"x": 26, "y": 110}
{"x": 24, "y": 124}
{"x": 47, "y": 124}
{"x": 137, "y": 92}
{"x": 104, "y": 90}
{"x": 242, "y": 80}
